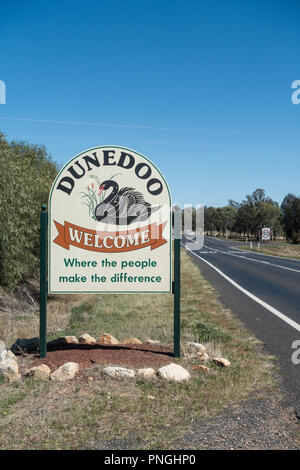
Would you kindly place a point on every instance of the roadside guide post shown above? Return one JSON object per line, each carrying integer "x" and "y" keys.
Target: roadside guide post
{"x": 43, "y": 281}
{"x": 177, "y": 236}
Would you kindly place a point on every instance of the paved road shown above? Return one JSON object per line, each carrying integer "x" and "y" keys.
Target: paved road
{"x": 264, "y": 292}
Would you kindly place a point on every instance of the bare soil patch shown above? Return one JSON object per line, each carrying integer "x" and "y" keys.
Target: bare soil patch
{"x": 86, "y": 355}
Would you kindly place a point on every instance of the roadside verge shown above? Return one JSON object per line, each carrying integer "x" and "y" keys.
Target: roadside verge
{"x": 139, "y": 413}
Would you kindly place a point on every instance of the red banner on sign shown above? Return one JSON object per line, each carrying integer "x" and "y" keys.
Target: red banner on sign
{"x": 110, "y": 242}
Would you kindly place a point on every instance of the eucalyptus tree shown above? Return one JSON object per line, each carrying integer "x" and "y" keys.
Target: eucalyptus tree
{"x": 290, "y": 209}
{"x": 26, "y": 175}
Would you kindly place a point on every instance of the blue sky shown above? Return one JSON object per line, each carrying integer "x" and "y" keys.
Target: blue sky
{"x": 202, "y": 88}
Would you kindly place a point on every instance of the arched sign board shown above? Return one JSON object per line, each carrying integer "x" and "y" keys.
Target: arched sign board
{"x": 109, "y": 225}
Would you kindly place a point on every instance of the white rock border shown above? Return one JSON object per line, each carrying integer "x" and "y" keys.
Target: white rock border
{"x": 172, "y": 372}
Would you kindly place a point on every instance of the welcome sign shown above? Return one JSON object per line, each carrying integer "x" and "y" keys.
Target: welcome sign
{"x": 109, "y": 225}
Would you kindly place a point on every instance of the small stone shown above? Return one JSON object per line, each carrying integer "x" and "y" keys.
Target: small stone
{"x": 200, "y": 367}
{"x": 151, "y": 397}
{"x": 147, "y": 373}
{"x": 132, "y": 341}
{"x": 203, "y": 356}
{"x": 10, "y": 370}
{"x": 221, "y": 361}
{"x": 90, "y": 378}
{"x": 70, "y": 339}
{"x": 196, "y": 347}
{"x": 10, "y": 355}
{"x": 174, "y": 372}
{"x": 107, "y": 339}
{"x": 118, "y": 372}
{"x": 2, "y": 346}
{"x": 65, "y": 372}
{"x": 63, "y": 340}
{"x": 7, "y": 355}
{"x": 86, "y": 339}
{"x": 12, "y": 377}
{"x": 9, "y": 365}
{"x": 38, "y": 372}
{"x": 28, "y": 346}
{"x": 152, "y": 341}
{"x": 3, "y": 354}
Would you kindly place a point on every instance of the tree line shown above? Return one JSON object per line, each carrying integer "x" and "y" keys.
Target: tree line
{"x": 28, "y": 171}
{"x": 248, "y": 217}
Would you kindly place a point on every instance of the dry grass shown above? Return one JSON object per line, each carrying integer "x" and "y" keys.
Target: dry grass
{"x": 135, "y": 414}
{"x": 20, "y": 319}
{"x": 283, "y": 249}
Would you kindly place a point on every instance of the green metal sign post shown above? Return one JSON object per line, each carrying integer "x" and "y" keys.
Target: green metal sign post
{"x": 43, "y": 281}
{"x": 177, "y": 235}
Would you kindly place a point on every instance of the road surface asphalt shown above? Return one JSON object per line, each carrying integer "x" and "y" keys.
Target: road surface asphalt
{"x": 264, "y": 293}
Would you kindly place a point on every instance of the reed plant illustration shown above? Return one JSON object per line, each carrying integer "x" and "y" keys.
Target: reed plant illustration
{"x": 95, "y": 194}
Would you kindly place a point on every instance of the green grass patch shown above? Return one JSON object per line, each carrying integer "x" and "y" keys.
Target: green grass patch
{"x": 7, "y": 402}
{"x": 207, "y": 332}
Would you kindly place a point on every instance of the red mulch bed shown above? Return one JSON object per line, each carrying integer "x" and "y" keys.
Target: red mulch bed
{"x": 133, "y": 355}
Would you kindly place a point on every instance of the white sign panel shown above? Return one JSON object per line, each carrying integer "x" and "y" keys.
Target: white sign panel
{"x": 109, "y": 225}
{"x": 266, "y": 233}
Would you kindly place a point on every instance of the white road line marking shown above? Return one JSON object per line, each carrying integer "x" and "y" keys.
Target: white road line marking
{"x": 264, "y": 254}
{"x": 210, "y": 248}
{"x": 255, "y": 260}
{"x": 267, "y": 262}
{"x": 271, "y": 309}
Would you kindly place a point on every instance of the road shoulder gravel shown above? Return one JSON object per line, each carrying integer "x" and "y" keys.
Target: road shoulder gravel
{"x": 262, "y": 422}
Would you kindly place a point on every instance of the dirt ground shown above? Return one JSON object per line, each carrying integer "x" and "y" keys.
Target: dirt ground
{"x": 85, "y": 355}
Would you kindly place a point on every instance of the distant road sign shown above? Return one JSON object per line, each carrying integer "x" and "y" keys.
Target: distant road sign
{"x": 266, "y": 234}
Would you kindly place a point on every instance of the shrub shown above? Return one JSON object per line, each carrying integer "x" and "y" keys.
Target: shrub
{"x": 26, "y": 176}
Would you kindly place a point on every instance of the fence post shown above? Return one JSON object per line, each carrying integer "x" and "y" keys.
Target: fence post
{"x": 43, "y": 281}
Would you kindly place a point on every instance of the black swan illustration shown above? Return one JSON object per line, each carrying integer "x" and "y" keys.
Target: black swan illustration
{"x": 122, "y": 206}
